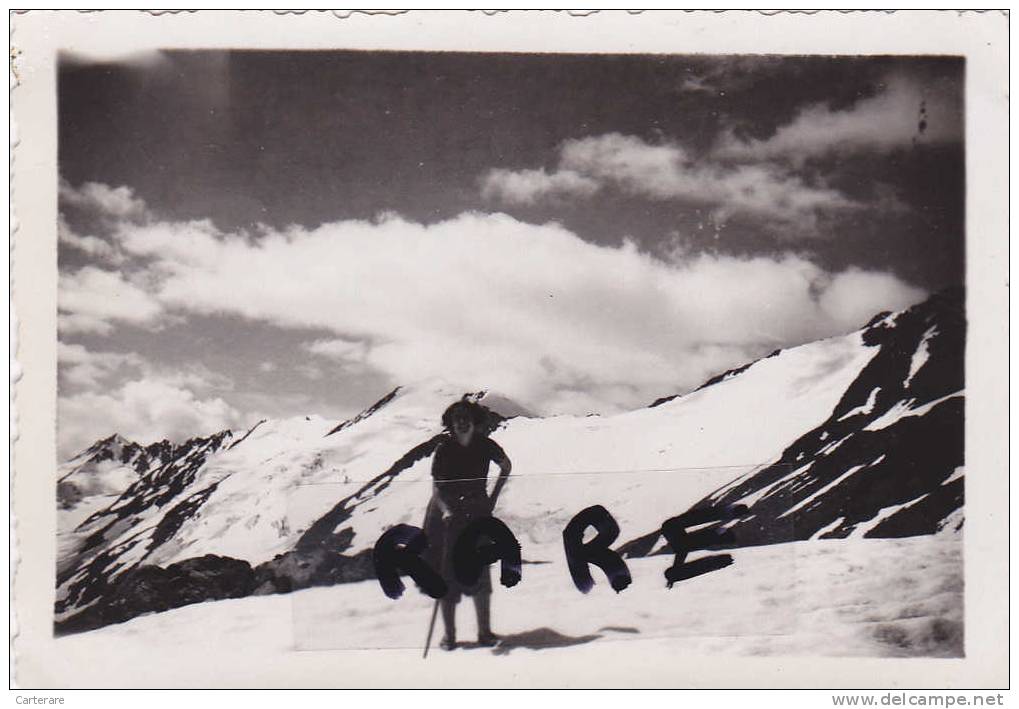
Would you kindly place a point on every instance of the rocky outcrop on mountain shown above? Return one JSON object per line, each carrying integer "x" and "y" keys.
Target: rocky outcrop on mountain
{"x": 149, "y": 588}
{"x": 366, "y": 413}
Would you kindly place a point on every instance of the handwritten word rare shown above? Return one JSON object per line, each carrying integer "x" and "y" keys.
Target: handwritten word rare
{"x": 487, "y": 540}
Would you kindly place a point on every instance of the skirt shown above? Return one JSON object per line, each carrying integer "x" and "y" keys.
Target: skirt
{"x": 442, "y": 534}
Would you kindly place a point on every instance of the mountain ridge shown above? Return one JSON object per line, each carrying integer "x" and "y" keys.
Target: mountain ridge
{"x": 298, "y": 503}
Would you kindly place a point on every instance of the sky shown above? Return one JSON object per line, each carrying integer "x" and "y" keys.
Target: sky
{"x": 263, "y": 234}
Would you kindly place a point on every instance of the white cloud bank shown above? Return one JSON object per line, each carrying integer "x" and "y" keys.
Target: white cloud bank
{"x": 485, "y": 301}
{"x": 113, "y": 392}
{"x": 143, "y": 411}
{"x": 667, "y": 171}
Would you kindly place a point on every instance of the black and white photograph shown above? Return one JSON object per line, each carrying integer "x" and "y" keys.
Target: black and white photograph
{"x": 476, "y": 357}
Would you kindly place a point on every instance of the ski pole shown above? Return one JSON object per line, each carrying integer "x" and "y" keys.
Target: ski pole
{"x": 431, "y": 629}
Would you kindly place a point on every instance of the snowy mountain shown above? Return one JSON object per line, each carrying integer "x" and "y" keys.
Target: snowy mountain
{"x": 854, "y": 435}
{"x": 888, "y": 460}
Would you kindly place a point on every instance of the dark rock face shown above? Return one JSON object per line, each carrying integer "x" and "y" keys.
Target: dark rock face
{"x": 68, "y": 494}
{"x": 303, "y": 568}
{"x": 888, "y": 460}
{"x": 366, "y": 413}
{"x": 147, "y": 589}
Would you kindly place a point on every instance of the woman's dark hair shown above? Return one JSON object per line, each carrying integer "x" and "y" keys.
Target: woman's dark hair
{"x": 480, "y": 415}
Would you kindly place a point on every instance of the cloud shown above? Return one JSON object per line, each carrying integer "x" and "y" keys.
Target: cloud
{"x": 143, "y": 410}
{"x": 338, "y": 349}
{"x": 118, "y": 202}
{"x": 310, "y": 371}
{"x": 889, "y": 120}
{"x": 259, "y": 405}
{"x": 92, "y": 299}
{"x": 762, "y": 179}
{"x": 854, "y": 295}
{"x": 697, "y": 84}
{"x": 350, "y": 356}
{"x": 88, "y": 368}
{"x": 93, "y": 213}
{"x": 122, "y": 392}
{"x": 197, "y": 377}
{"x": 527, "y": 186}
{"x": 91, "y": 245}
{"x": 486, "y": 301}
{"x": 83, "y": 368}
{"x": 667, "y": 171}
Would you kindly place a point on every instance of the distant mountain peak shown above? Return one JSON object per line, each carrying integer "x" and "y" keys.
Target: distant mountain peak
{"x": 112, "y": 442}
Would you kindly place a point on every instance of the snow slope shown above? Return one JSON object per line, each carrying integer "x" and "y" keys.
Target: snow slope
{"x": 836, "y": 598}
{"x": 300, "y": 502}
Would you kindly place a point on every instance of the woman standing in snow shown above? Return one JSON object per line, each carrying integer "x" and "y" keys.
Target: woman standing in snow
{"x": 463, "y": 453}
